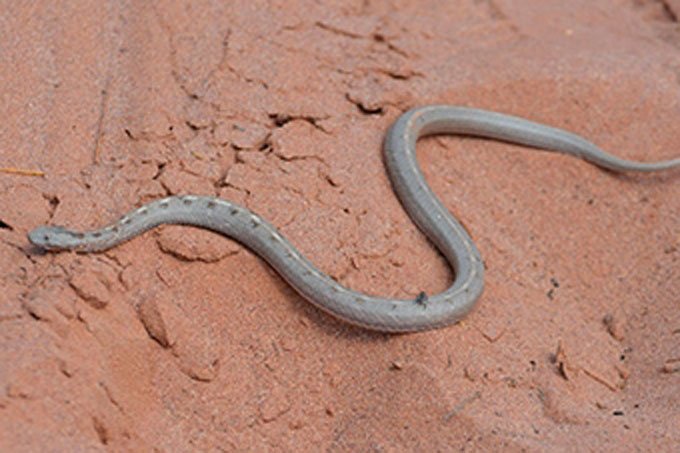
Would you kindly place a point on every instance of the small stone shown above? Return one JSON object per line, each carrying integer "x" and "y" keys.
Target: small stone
{"x": 90, "y": 287}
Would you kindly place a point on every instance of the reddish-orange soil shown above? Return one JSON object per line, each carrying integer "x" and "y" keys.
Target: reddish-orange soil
{"x": 183, "y": 340}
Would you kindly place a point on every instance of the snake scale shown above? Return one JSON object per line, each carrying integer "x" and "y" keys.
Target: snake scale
{"x": 375, "y": 313}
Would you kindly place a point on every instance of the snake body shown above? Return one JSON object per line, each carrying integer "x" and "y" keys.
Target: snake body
{"x": 375, "y": 313}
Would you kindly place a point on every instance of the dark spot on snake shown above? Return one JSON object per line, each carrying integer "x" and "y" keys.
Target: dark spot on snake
{"x": 256, "y": 224}
{"x": 186, "y": 202}
{"x": 126, "y": 221}
{"x": 233, "y": 211}
{"x": 211, "y": 204}
{"x": 96, "y": 234}
{"x": 421, "y": 299}
{"x": 114, "y": 229}
{"x": 164, "y": 205}
{"x": 79, "y": 235}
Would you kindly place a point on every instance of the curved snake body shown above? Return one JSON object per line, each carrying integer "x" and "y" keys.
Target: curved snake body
{"x": 382, "y": 314}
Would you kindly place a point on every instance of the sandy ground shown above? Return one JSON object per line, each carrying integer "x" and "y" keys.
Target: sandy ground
{"x": 184, "y": 340}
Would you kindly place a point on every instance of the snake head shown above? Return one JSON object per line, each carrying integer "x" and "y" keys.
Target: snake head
{"x": 53, "y": 238}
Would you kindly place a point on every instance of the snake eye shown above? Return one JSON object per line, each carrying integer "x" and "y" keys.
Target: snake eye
{"x": 46, "y": 238}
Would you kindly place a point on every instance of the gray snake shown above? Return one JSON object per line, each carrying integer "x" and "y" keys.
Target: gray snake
{"x": 375, "y": 313}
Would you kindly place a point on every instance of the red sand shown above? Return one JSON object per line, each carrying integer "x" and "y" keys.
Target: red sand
{"x": 184, "y": 340}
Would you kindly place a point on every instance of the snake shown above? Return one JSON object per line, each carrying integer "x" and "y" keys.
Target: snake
{"x": 427, "y": 212}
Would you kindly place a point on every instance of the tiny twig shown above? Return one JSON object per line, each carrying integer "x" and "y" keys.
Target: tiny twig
{"x": 21, "y": 171}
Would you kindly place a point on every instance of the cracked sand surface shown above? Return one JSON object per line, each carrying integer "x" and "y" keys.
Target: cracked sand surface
{"x": 182, "y": 339}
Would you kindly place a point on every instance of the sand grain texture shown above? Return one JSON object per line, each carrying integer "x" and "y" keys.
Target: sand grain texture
{"x": 184, "y": 340}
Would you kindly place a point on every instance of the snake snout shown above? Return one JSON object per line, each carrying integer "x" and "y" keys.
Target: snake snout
{"x": 44, "y": 237}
